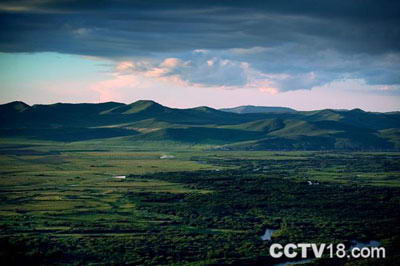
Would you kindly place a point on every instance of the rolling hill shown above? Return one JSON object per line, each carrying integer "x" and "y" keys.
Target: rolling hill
{"x": 243, "y": 129}
{"x": 249, "y": 109}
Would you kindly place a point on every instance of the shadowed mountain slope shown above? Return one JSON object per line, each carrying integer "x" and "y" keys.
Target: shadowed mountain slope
{"x": 149, "y": 121}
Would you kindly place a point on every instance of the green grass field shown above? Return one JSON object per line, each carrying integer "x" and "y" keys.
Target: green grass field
{"x": 60, "y": 202}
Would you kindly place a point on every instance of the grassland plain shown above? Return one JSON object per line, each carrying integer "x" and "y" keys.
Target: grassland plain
{"x": 60, "y": 203}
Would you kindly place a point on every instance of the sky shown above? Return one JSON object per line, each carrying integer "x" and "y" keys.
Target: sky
{"x": 305, "y": 54}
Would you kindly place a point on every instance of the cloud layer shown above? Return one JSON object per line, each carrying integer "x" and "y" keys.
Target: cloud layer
{"x": 273, "y": 46}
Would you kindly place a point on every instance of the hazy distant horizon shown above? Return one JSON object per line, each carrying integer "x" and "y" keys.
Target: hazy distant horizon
{"x": 180, "y": 107}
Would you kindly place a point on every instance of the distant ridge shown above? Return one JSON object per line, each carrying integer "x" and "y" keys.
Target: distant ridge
{"x": 249, "y": 109}
{"x": 16, "y": 106}
{"x": 244, "y": 128}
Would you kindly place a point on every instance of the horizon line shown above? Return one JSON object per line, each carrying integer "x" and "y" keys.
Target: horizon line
{"x": 219, "y": 109}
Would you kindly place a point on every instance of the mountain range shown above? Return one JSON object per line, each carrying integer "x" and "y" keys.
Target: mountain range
{"x": 248, "y": 109}
{"x": 239, "y": 128}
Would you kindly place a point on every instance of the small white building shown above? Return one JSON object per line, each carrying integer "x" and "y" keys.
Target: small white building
{"x": 167, "y": 156}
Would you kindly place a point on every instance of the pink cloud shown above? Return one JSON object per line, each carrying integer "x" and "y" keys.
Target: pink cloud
{"x": 199, "y": 72}
{"x": 172, "y": 63}
{"x": 124, "y": 66}
{"x": 109, "y": 90}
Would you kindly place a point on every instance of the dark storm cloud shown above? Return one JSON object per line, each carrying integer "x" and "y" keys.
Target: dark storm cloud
{"x": 367, "y": 26}
{"x": 295, "y": 30}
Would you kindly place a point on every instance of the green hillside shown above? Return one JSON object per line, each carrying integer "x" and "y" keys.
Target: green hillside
{"x": 266, "y": 125}
{"x": 196, "y": 135}
{"x": 149, "y": 121}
